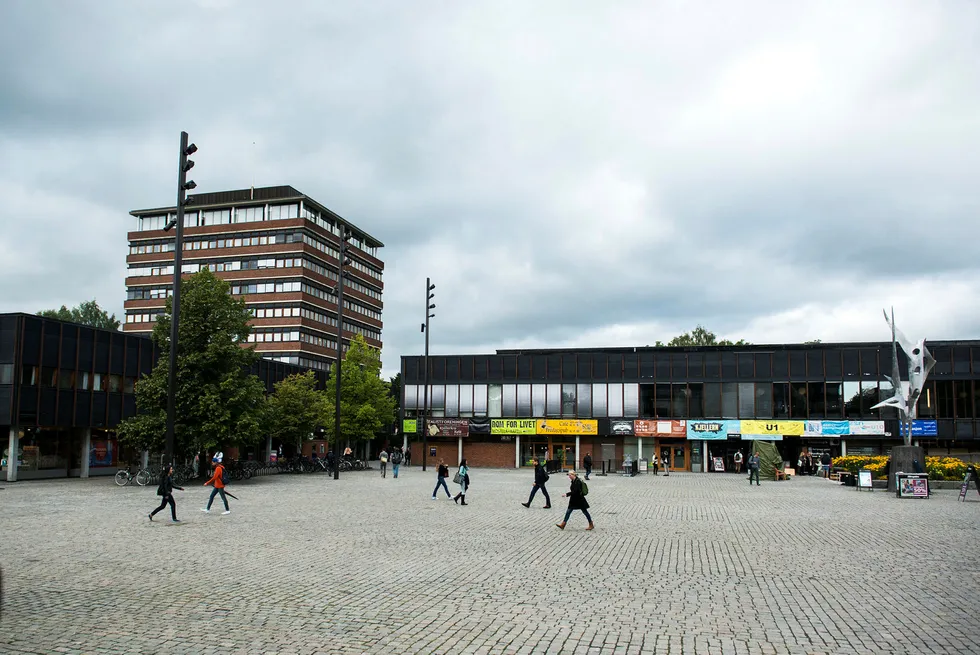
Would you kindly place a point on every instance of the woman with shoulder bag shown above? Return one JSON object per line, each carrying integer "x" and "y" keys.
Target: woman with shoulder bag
{"x": 166, "y": 492}
{"x": 576, "y": 500}
{"x": 463, "y": 480}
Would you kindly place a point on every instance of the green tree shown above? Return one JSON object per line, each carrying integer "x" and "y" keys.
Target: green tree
{"x": 366, "y": 407}
{"x": 296, "y": 408}
{"x": 700, "y": 336}
{"x": 218, "y": 400}
{"x": 86, "y": 313}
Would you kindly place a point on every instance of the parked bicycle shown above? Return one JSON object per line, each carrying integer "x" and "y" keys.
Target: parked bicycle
{"x": 125, "y": 476}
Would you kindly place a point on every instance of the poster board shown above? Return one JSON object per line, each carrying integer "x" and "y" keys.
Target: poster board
{"x": 718, "y": 463}
{"x": 965, "y": 486}
{"x": 864, "y": 480}
{"x": 912, "y": 485}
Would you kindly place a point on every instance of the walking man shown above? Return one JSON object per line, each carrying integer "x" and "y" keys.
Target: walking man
{"x": 576, "y": 500}
{"x": 754, "y": 463}
{"x": 384, "y": 461}
{"x": 442, "y": 474}
{"x": 408, "y": 456}
{"x": 738, "y": 461}
{"x": 540, "y": 480}
{"x": 218, "y": 480}
{"x": 166, "y": 493}
{"x": 587, "y": 462}
{"x": 396, "y": 460}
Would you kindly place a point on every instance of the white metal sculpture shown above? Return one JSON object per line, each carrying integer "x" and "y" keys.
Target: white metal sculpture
{"x": 906, "y": 397}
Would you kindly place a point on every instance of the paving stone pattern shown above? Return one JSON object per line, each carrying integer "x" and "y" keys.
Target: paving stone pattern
{"x": 691, "y": 563}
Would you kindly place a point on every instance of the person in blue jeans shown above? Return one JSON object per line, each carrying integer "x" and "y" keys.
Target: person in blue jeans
{"x": 754, "y": 463}
{"x": 576, "y": 500}
{"x": 396, "y": 459}
{"x": 441, "y": 481}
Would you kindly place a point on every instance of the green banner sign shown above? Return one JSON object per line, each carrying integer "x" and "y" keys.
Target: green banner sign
{"x": 410, "y": 426}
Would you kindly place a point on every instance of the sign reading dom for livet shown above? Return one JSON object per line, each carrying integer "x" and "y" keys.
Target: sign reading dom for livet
{"x": 513, "y": 426}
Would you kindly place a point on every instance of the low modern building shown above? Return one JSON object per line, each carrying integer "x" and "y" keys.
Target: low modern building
{"x": 697, "y": 406}
{"x": 65, "y": 387}
{"x": 278, "y": 249}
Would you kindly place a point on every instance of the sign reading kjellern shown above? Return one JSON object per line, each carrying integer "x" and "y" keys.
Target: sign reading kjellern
{"x": 513, "y": 426}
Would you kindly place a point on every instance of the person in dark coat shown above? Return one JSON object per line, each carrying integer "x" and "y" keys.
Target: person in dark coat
{"x": 166, "y": 493}
{"x": 587, "y": 462}
{"x": 576, "y": 500}
{"x": 540, "y": 480}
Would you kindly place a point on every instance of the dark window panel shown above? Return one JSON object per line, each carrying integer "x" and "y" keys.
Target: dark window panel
{"x": 869, "y": 364}
{"x": 132, "y": 358}
{"x": 647, "y": 369}
{"x": 146, "y": 357}
{"x": 945, "y": 399}
{"x": 678, "y": 366}
{"x": 568, "y": 367}
{"x": 712, "y": 400}
{"x": 631, "y": 366}
{"x": 712, "y": 366}
{"x": 83, "y": 409}
{"x": 116, "y": 354}
{"x": 46, "y": 412}
{"x": 115, "y": 409}
{"x": 763, "y": 399}
{"x": 961, "y": 360}
{"x": 780, "y": 365}
{"x": 496, "y": 368}
{"x": 437, "y": 369}
{"x": 452, "y": 369}
{"x": 554, "y": 367}
{"x": 695, "y": 395}
{"x": 797, "y": 365}
{"x": 746, "y": 365}
{"x": 481, "y": 365}
{"x": 584, "y": 367}
{"x": 835, "y": 399}
{"x": 413, "y": 372}
{"x": 523, "y": 367}
{"x": 763, "y": 365}
{"x": 662, "y": 363}
{"x": 816, "y": 399}
{"x": 101, "y": 352}
{"x": 695, "y": 365}
{"x": 69, "y": 348}
{"x": 798, "y": 404}
{"x": 647, "y": 400}
{"x": 943, "y": 355}
{"x": 678, "y": 400}
{"x": 466, "y": 368}
{"x": 6, "y": 396}
{"x": 814, "y": 365}
{"x": 964, "y": 399}
{"x": 662, "y": 403}
{"x": 780, "y": 399}
{"x": 31, "y": 343}
{"x": 539, "y": 365}
{"x": 832, "y": 364}
{"x": 52, "y": 337}
{"x": 615, "y": 364}
{"x": 852, "y": 363}
{"x": 510, "y": 370}
{"x": 129, "y": 405}
{"x": 99, "y": 410}
{"x": 28, "y": 408}
{"x": 729, "y": 366}
{"x": 8, "y": 340}
{"x": 599, "y": 366}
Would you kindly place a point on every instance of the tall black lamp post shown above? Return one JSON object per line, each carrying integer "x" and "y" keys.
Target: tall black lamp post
{"x": 429, "y": 305}
{"x": 183, "y": 186}
{"x": 342, "y": 262}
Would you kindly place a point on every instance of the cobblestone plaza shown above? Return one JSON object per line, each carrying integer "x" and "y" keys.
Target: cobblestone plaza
{"x": 690, "y": 563}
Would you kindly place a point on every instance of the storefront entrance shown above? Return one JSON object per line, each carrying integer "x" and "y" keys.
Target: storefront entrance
{"x": 677, "y": 453}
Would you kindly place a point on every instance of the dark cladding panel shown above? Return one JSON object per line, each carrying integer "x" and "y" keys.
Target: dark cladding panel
{"x": 132, "y": 358}
{"x": 129, "y": 405}
{"x": 52, "y": 339}
{"x": 83, "y": 410}
{"x": 86, "y": 339}
{"x": 101, "y": 352}
{"x": 65, "y": 413}
{"x": 8, "y": 339}
{"x": 31, "y": 339}
{"x": 28, "y": 408}
{"x": 115, "y": 409}
{"x": 69, "y": 347}
{"x": 6, "y": 394}
{"x": 98, "y": 409}
{"x": 117, "y": 352}
{"x": 413, "y": 370}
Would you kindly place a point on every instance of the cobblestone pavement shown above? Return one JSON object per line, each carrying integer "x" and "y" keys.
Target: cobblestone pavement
{"x": 693, "y": 563}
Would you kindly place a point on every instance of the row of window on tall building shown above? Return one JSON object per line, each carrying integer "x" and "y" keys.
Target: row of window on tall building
{"x": 785, "y": 364}
{"x": 63, "y": 378}
{"x": 777, "y": 400}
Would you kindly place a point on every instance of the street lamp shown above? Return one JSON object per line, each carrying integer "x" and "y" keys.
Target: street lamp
{"x": 183, "y": 186}
{"x": 425, "y": 394}
{"x": 345, "y": 236}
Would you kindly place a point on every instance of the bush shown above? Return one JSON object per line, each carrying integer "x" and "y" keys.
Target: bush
{"x": 938, "y": 468}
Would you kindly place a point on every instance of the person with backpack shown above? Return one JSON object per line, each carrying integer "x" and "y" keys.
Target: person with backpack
{"x": 442, "y": 474}
{"x": 576, "y": 500}
{"x": 587, "y": 462}
{"x": 396, "y": 460}
{"x": 219, "y": 479}
{"x": 384, "y": 461}
{"x": 463, "y": 480}
{"x": 166, "y": 493}
{"x": 540, "y": 480}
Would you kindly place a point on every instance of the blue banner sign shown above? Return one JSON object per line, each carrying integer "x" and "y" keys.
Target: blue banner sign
{"x": 921, "y": 428}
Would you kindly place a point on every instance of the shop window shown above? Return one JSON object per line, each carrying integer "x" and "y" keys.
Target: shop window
{"x": 631, "y": 400}
{"x": 712, "y": 365}
{"x": 712, "y": 400}
{"x": 538, "y": 399}
{"x": 964, "y": 399}
{"x": 615, "y": 406}
{"x": 816, "y": 400}
{"x": 648, "y": 400}
{"x": 495, "y": 401}
{"x": 852, "y": 400}
{"x": 599, "y": 400}
{"x": 509, "y": 400}
{"x": 66, "y": 379}
{"x": 49, "y": 377}
{"x": 28, "y": 376}
{"x": 729, "y": 398}
{"x": 763, "y": 400}
{"x": 568, "y": 400}
{"x": 452, "y": 400}
{"x": 798, "y": 404}
{"x": 695, "y": 400}
{"x": 583, "y": 408}
{"x": 835, "y": 399}
{"x": 553, "y": 405}
{"x": 746, "y": 399}
{"x": 780, "y": 400}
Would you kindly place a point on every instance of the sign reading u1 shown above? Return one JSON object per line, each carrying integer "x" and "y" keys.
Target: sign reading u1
{"x": 513, "y": 426}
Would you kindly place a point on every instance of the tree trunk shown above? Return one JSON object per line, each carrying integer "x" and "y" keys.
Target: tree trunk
{"x": 905, "y": 459}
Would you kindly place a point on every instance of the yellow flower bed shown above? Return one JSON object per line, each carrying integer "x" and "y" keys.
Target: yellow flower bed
{"x": 938, "y": 468}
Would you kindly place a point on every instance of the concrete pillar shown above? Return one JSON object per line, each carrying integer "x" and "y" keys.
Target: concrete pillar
{"x": 146, "y": 458}
{"x": 704, "y": 456}
{"x": 460, "y": 448}
{"x": 578, "y": 454}
{"x": 843, "y": 448}
{"x": 517, "y": 452}
{"x": 12, "y": 447}
{"x": 268, "y": 448}
{"x": 639, "y": 448}
{"x": 86, "y": 449}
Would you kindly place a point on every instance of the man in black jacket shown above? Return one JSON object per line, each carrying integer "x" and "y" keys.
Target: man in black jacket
{"x": 540, "y": 480}
{"x": 588, "y": 465}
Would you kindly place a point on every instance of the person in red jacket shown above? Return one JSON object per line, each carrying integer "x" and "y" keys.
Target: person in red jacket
{"x": 219, "y": 485}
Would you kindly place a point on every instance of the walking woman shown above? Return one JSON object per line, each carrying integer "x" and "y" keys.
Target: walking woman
{"x": 464, "y": 482}
{"x": 576, "y": 500}
{"x": 166, "y": 493}
{"x": 441, "y": 480}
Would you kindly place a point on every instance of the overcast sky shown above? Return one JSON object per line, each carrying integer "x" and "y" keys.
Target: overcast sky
{"x": 568, "y": 173}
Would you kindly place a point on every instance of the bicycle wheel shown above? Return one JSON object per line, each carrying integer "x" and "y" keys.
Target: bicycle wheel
{"x": 122, "y": 478}
{"x": 142, "y": 478}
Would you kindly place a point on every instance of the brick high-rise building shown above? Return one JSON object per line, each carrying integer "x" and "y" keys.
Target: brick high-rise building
{"x": 278, "y": 249}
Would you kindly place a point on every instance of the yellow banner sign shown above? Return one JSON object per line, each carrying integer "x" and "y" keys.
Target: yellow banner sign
{"x": 513, "y": 426}
{"x": 567, "y": 426}
{"x": 790, "y": 428}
